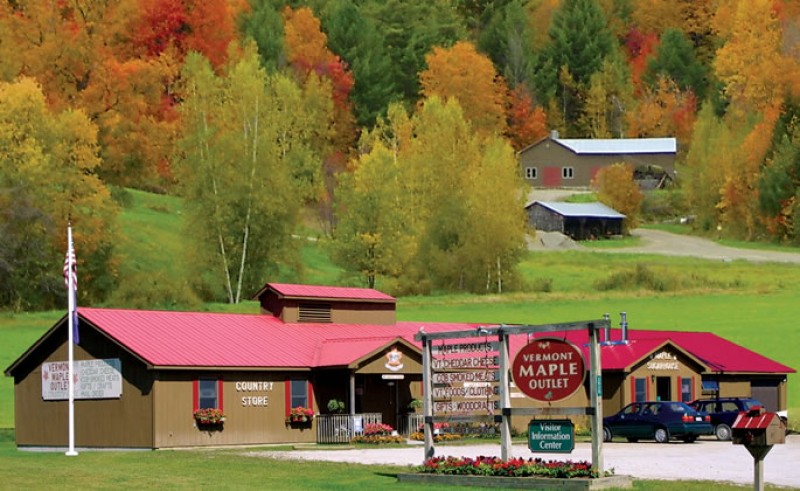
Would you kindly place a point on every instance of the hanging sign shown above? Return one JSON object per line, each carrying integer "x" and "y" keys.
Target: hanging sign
{"x": 549, "y": 369}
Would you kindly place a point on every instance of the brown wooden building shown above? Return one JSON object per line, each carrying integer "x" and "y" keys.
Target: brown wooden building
{"x": 555, "y": 162}
{"x": 141, "y": 375}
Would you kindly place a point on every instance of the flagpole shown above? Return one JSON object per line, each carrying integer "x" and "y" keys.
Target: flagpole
{"x": 70, "y": 341}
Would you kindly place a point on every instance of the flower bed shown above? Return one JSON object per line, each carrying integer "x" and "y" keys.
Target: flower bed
{"x": 492, "y": 472}
{"x": 494, "y": 466}
{"x": 378, "y": 433}
{"x": 442, "y": 437}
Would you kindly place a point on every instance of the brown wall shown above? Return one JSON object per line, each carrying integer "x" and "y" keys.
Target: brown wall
{"x": 551, "y": 155}
{"x": 245, "y": 423}
{"x": 342, "y": 312}
{"x": 124, "y": 422}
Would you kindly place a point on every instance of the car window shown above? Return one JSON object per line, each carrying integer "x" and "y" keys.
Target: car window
{"x": 730, "y": 406}
{"x": 750, "y": 404}
{"x": 676, "y": 407}
{"x": 632, "y": 409}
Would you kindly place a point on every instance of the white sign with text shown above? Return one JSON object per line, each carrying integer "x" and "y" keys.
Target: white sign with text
{"x": 94, "y": 379}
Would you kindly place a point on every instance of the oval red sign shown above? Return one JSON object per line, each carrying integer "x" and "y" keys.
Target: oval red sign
{"x": 548, "y": 369}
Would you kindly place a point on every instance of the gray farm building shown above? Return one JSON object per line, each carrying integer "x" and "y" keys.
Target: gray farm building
{"x": 578, "y": 220}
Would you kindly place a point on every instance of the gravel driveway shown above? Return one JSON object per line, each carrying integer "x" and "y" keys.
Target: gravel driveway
{"x": 705, "y": 459}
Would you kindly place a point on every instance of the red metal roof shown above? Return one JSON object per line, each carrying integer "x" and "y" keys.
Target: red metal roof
{"x": 329, "y": 292}
{"x": 197, "y": 339}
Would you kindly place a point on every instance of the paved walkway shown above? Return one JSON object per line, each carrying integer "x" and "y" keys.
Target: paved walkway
{"x": 705, "y": 459}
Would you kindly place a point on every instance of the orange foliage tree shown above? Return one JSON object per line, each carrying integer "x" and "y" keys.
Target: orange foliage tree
{"x": 526, "y": 123}
{"x": 664, "y": 111}
{"x": 462, "y": 73}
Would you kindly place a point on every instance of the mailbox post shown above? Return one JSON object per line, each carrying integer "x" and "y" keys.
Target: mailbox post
{"x": 758, "y": 431}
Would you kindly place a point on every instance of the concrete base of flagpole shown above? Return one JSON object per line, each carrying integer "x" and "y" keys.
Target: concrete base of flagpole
{"x": 71, "y": 453}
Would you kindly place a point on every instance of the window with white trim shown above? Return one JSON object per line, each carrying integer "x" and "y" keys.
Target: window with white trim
{"x": 640, "y": 394}
{"x": 530, "y": 172}
{"x": 299, "y": 393}
{"x": 687, "y": 394}
{"x": 208, "y": 394}
{"x": 567, "y": 173}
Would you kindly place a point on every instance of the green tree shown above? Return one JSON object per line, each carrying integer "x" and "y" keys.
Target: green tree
{"x": 357, "y": 40}
{"x": 579, "y": 43}
{"x": 508, "y": 41}
{"x": 412, "y": 28}
{"x": 242, "y": 200}
{"x": 264, "y": 25}
{"x": 675, "y": 58}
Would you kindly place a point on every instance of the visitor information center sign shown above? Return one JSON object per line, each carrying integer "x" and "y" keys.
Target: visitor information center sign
{"x": 94, "y": 379}
{"x": 556, "y": 436}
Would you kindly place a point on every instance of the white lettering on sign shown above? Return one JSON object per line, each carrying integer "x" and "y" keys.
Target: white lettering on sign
{"x": 94, "y": 379}
{"x": 663, "y": 365}
{"x": 487, "y": 362}
{"x": 457, "y": 348}
{"x": 464, "y": 406}
{"x": 451, "y": 377}
{"x": 466, "y": 392}
{"x": 253, "y": 386}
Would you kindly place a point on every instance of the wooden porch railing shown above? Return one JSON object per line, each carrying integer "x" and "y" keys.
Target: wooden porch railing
{"x": 340, "y": 428}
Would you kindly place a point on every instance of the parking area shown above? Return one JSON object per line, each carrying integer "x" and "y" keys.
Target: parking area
{"x": 706, "y": 459}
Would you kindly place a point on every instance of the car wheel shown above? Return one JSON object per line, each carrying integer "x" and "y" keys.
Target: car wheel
{"x": 632, "y": 439}
{"x": 661, "y": 435}
{"x": 723, "y": 432}
{"x": 607, "y": 435}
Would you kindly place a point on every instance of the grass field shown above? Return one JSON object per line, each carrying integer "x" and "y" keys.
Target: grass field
{"x": 220, "y": 469}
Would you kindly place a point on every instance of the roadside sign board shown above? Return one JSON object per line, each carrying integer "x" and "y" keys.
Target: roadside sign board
{"x": 549, "y": 369}
{"x": 551, "y": 436}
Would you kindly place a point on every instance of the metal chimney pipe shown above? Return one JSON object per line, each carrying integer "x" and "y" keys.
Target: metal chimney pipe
{"x": 624, "y": 325}
{"x": 607, "y": 330}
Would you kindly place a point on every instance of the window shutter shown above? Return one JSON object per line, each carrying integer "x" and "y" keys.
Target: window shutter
{"x": 314, "y": 312}
{"x": 196, "y": 394}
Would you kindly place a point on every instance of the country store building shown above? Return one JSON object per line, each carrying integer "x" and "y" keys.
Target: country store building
{"x": 142, "y": 374}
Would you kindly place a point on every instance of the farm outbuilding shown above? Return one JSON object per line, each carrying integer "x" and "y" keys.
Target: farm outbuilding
{"x": 580, "y": 221}
{"x": 554, "y": 162}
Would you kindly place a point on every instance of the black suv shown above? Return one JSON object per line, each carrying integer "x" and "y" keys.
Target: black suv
{"x": 723, "y": 412}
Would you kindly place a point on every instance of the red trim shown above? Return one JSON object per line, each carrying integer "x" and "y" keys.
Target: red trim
{"x": 647, "y": 388}
{"x": 196, "y": 394}
{"x": 680, "y": 389}
{"x": 633, "y": 389}
{"x": 693, "y": 397}
{"x": 219, "y": 394}
{"x": 287, "y": 389}
{"x": 310, "y": 390}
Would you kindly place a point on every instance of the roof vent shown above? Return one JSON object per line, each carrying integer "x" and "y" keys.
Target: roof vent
{"x": 314, "y": 312}
{"x": 554, "y": 134}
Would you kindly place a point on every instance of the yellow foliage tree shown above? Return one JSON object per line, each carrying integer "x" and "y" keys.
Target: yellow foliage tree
{"x": 462, "y": 73}
{"x": 616, "y": 188}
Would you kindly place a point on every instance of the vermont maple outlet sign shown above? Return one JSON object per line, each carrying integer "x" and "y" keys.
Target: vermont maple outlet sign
{"x": 548, "y": 369}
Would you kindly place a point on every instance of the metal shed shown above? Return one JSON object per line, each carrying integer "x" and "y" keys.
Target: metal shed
{"x": 578, "y": 220}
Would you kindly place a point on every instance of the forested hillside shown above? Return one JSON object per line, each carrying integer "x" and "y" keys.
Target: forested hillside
{"x": 395, "y": 121}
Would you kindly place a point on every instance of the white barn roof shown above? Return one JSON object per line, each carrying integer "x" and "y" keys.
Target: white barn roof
{"x": 620, "y": 145}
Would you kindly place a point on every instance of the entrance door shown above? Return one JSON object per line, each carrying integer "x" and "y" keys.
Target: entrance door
{"x": 663, "y": 388}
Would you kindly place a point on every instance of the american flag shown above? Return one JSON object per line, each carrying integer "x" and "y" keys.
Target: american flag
{"x": 71, "y": 280}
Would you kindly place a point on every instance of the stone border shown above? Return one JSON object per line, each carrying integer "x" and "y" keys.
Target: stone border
{"x": 611, "y": 482}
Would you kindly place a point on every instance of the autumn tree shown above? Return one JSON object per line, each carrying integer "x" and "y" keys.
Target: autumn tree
{"x": 236, "y": 174}
{"x": 779, "y": 185}
{"x": 616, "y": 188}
{"x": 371, "y": 238}
{"x": 462, "y": 73}
{"x": 527, "y": 123}
{"x": 48, "y": 164}
{"x": 663, "y": 111}
{"x": 750, "y": 64}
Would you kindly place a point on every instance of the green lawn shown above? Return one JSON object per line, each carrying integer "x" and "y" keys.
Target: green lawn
{"x": 219, "y": 469}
